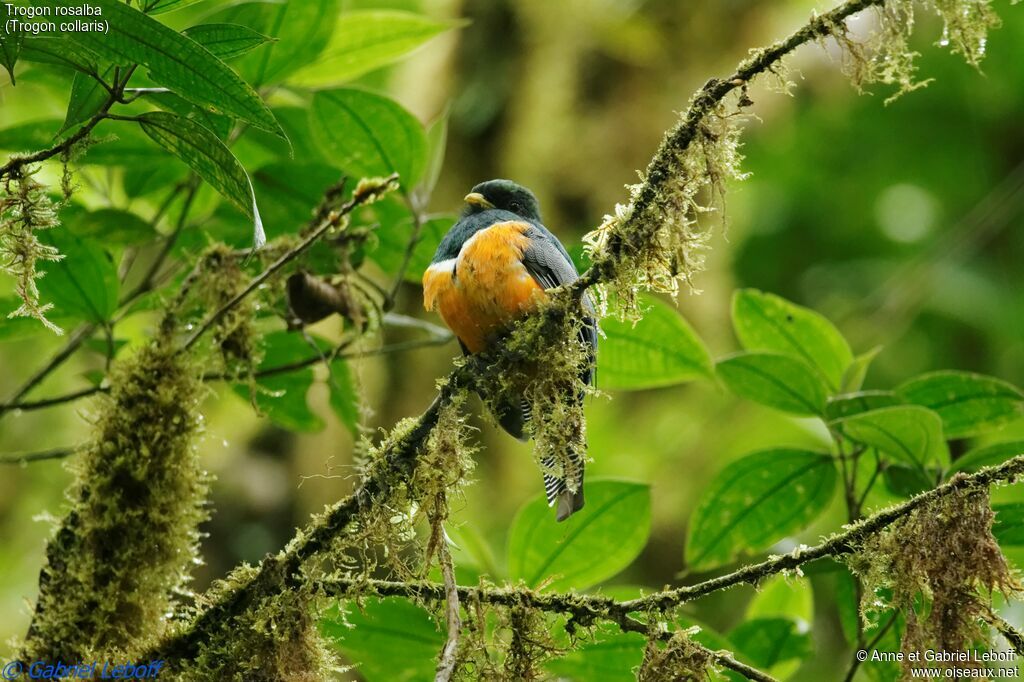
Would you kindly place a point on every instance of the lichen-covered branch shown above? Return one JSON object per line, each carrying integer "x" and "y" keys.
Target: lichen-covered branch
{"x": 585, "y": 609}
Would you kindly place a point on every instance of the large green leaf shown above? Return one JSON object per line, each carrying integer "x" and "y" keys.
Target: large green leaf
{"x": 84, "y": 283}
{"x": 208, "y": 157}
{"x": 226, "y": 41}
{"x": 29, "y": 136}
{"x": 394, "y": 239}
{"x": 756, "y": 501}
{"x": 662, "y": 349}
{"x": 849, "y": 404}
{"x": 10, "y": 48}
{"x": 301, "y": 29}
{"x": 60, "y": 52}
{"x": 780, "y": 381}
{"x": 769, "y": 642}
{"x": 988, "y": 456}
{"x": 591, "y": 546}
{"x": 112, "y": 226}
{"x": 364, "y": 40}
{"x": 910, "y": 433}
{"x": 343, "y": 396}
{"x": 368, "y": 134}
{"x": 291, "y": 190}
{"x": 161, "y": 6}
{"x": 282, "y": 397}
{"x": 87, "y": 97}
{"x": 174, "y": 61}
{"x": 768, "y": 322}
{"x": 968, "y": 403}
{"x": 783, "y": 596}
{"x": 1009, "y": 524}
{"x": 612, "y": 657}
{"x": 390, "y": 640}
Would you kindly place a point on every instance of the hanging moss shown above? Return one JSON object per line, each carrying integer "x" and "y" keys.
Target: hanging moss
{"x": 934, "y": 563}
{"x": 662, "y": 246}
{"x": 122, "y": 555}
{"x": 25, "y": 210}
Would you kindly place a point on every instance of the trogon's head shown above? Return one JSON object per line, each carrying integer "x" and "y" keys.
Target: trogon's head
{"x": 504, "y": 195}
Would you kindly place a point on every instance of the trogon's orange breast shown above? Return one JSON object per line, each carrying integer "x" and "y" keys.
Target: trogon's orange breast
{"x": 486, "y": 287}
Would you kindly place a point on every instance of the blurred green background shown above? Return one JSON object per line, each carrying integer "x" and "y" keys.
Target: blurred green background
{"x": 903, "y": 223}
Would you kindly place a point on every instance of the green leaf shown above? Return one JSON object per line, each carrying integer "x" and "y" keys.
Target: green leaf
{"x": 849, "y": 404}
{"x": 756, "y": 501}
{"x": 291, "y": 190}
{"x": 1009, "y": 524}
{"x": 10, "y": 48}
{"x": 174, "y": 61}
{"x": 437, "y": 143}
{"x": 767, "y": 642}
{"x": 84, "y": 283}
{"x": 343, "y": 396}
{"x": 161, "y": 6}
{"x": 368, "y": 135}
{"x": 30, "y": 136}
{"x": 988, "y": 456}
{"x": 87, "y": 97}
{"x": 282, "y": 397}
{"x": 853, "y": 377}
{"x": 226, "y": 41}
{"x": 590, "y": 547}
{"x": 910, "y": 433}
{"x": 613, "y": 657}
{"x": 969, "y": 404}
{"x": 113, "y": 226}
{"x": 365, "y": 40}
{"x": 390, "y": 640}
{"x": 394, "y": 228}
{"x": 770, "y": 323}
{"x": 662, "y": 349}
{"x": 775, "y": 380}
{"x": 216, "y": 123}
{"x": 301, "y": 30}
{"x": 209, "y": 158}
{"x": 60, "y": 52}
{"x": 906, "y": 481}
{"x": 783, "y": 597}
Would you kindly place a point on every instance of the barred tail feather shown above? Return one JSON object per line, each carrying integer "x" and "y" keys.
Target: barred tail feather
{"x": 566, "y": 502}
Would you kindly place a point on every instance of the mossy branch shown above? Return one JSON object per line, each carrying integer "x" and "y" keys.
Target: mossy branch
{"x": 636, "y": 231}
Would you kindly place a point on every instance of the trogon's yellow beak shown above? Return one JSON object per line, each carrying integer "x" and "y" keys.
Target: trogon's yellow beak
{"x": 477, "y": 199}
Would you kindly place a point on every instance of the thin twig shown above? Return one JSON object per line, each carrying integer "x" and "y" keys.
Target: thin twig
{"x": 1012, "y": 634}
{"x": 332, "y": 220}
{"x": 16, "y": 163}
{"x": 76, "y": 339}
{"x": 25, "y": 458}
{"x": 410, "y": 249}
{"x": 388, "y": 349}
{"x": 448, "y": 660}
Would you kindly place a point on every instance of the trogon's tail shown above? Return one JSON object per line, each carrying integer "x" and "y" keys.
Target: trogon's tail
{"x": 566, "y": 502}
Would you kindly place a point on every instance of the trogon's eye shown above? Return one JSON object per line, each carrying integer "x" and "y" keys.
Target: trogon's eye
{"x": 515, "y": 207}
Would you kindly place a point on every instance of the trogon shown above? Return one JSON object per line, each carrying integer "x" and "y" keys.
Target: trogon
{"x": 490, "y": 270}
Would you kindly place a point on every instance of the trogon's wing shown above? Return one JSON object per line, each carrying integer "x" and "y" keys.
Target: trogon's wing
{"x": 549, "y": 264}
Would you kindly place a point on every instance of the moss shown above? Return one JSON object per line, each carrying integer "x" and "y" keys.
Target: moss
{"x": 542, "y": 361}
{"x": 662, "y": 246}
{"x": 25, "y": 210}
{"x": 529, "y": 644}
{"x": 274, "y": 638}
{"x": 219, "y": 279}
{"x": 121, "y": 557}
{"x": 676, "y": 660}
{"x": 933, "y": 565}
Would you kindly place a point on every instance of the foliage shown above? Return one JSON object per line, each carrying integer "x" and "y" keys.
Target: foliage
{"x": 195, "y": 128}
